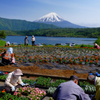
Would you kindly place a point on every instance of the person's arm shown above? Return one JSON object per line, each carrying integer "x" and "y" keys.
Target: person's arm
{"x": 20, "y": 80}
{"x": 7, "y": 81}
{"x": 12, "y": 58}
{"x": 56, "y": 93}
{"x": 84, "y": 96}
{"x": 98, "y": 47}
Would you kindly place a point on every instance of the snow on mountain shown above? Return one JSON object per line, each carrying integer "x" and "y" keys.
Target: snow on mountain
{"x": 54, "y": 19}
{"x": 51, "y": 17}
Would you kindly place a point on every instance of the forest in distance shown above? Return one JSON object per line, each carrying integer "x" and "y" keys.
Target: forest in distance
{"x": 59, "y": 32}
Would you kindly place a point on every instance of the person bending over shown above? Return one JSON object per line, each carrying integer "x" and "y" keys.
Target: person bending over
{"x": 8, "y": 57}
{"x": 70, "y": 91}
{"x": 95, "y": 80}
{"x": 14, "y": 81}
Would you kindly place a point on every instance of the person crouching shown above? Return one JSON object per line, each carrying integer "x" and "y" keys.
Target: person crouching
{"x": 13, "y": 81}
{"x": 8, "y": 57}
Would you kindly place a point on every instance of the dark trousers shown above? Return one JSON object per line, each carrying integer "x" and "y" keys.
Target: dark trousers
{"x": 33, "y": 43}
{"x": 8, "y": 89}
{"x": 5, "y": 61}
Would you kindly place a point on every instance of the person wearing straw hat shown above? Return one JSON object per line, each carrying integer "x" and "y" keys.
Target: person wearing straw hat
{"x": 26, "y": 41}
{"x": 13, "y": 81}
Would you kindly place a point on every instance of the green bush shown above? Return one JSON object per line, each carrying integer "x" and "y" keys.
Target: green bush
{"x": 98, "y": 41}
{"x": 3, "y": 77}
{"x": 2, "y": 43}
{"x": 8, "y": 96}
{"x": 57, "y": 83}
{"x": 31, "y": 82}
{"x": 42, "y": 81}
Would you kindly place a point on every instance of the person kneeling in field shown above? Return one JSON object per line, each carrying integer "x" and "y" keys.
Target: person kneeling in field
{"x": 14, "y": 81}
{"x": 96, "y": 46}
{"x": 8, "y": 57}
{"x": 70, "y": 91}
{"x": 95, "y": 80}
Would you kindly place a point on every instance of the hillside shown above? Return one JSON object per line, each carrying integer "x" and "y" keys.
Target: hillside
{"x": 18, "y": 25}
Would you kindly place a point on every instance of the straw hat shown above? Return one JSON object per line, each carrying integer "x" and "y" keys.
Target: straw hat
{"x": 18, "y": 72}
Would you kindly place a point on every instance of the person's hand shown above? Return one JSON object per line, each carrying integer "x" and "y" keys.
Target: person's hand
{"x": 13, "y": 88}
{"x": 23, "y": 84}
{"x": 27, "y": 84}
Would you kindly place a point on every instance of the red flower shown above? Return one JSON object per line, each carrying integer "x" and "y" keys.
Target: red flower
{"x": 6, "y": 72}
{"x": 3, "y": 91}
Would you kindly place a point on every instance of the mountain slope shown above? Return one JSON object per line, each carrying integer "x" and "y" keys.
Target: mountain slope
{"x": 13, "y": 24}
{"x": 53, "y": 18}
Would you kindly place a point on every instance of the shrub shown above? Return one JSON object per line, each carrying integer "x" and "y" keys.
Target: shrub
{"x": 2, "y": 43}
{"x": 42, "y": 81}
{"x": 98, "y": 41}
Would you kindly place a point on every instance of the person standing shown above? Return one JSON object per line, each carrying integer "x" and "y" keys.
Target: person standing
{"x": 70, "y": 91}
{"x": 33, "y": 40}
{"x": 26, "y": 41}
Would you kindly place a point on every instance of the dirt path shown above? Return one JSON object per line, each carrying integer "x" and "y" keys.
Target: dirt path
{"x": 48, "y": 72}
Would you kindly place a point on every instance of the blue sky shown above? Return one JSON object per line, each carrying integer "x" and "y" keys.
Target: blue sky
{"x": 80, "y": 12}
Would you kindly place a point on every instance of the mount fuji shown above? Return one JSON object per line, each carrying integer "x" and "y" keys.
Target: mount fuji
{"x": 55, "y": 19}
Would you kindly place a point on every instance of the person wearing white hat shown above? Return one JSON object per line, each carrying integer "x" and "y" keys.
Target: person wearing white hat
{"x": 8, "y": 57}
{"x": 13, "y": 81}
{"x": 7, "y": 44}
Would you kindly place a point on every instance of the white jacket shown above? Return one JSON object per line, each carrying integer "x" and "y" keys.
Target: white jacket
{"x": 12, "y": 81}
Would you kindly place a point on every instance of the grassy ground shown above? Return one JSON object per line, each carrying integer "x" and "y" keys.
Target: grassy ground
{"x": 2, "y": 43}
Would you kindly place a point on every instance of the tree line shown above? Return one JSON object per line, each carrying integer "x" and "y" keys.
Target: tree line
{"x": 60, "y": 32}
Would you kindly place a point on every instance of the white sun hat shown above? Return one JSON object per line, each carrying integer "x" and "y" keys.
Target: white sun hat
{"x": 10, "y": 50}
{"x": 17, "y": 72}
{"x": 8, "y": 42}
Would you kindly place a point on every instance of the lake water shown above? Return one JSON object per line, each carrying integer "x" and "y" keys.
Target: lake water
{"x": 51, "y": 40}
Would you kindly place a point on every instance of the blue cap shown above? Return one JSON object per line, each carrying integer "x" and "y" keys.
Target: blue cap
{"x": 97, "y": 74}
{"x": 90, "y": 73}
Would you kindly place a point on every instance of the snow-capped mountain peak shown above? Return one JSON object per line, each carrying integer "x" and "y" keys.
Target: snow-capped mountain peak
{"x": 51, "y": 17}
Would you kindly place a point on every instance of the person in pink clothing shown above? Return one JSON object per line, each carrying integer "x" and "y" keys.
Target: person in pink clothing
{"x": 96, "y": 46}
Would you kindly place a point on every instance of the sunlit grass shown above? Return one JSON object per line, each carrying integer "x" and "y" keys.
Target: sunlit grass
{"x": 2, "y": 43}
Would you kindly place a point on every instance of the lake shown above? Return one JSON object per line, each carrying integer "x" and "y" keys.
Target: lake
{"x": 51, "y": 40}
